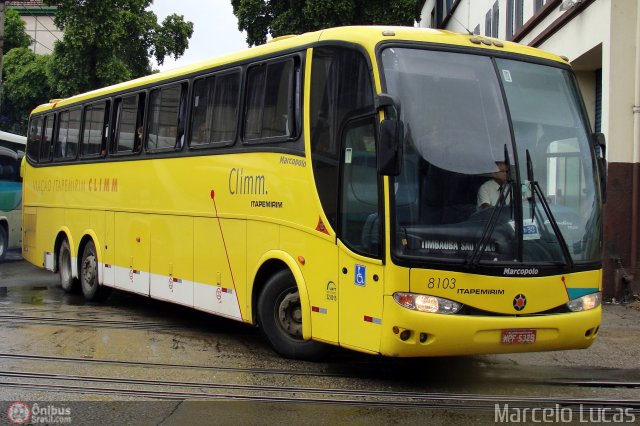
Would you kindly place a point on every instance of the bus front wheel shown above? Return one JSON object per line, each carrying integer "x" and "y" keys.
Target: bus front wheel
{"x": 68, "y": 283}
{"x": 280, "y": 317}
{"x": 91, "y": 288}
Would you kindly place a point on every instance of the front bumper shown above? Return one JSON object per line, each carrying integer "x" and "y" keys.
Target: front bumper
{"x": 449, "y": 335}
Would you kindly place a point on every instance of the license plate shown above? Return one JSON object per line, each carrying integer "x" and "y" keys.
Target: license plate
{"x": 517, "y": 336}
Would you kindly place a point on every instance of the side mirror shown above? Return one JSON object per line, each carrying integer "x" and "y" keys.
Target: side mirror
{"x": 391, "y": 136}
{"x": 390, "y": 147}
{"x": 600, "y": 146}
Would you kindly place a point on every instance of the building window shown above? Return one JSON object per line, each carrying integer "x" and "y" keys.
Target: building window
{"x": 538, "y": 5}
{"x": 496, "y": 19}
{"x": 514, "y": 17}
{"x": 487, "y": 24}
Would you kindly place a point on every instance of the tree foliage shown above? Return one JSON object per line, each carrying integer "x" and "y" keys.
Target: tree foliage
{"x": 261, "y": 18}
{"x": 25, "y": 85}
{"x": 109, "y": 41}
{"x": 14, "y": 34}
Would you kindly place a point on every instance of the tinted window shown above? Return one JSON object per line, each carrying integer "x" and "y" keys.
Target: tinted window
{"x": 129, "y": 131}
{"x": 68, "y": 135}
{"x": 165, "y": 113}
{"x": 271, "y": 101}
{"x": 34, "y": 138}
{"x": 47, "y": 140}
{"x": 94, "y": 129}
{"x": 215, "y": 110}
{"x": 340, "y": 86}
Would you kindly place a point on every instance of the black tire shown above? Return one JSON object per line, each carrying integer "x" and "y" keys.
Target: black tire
{"x": 91, "y": 288}
{"x": 4, "y": 243}
{"x": 280, "y": 317}
{"x": 68, "y": 283}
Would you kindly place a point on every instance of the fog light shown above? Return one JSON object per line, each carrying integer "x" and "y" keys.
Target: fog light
{"x": 423, "y": 337}
{"x": 405, "y": 335}
{"x": 585, "y": 303}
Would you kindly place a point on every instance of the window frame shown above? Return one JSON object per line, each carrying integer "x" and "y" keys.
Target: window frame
{"x": 57, "y": 133}
{"x": 295, "y": 106}
{"x": 47, "y": 118}
{"x": 183, "y": 109}
{"x": 141, "y": 101}
{"x": 241, "y": 75}
{"x": 104, "y": 136}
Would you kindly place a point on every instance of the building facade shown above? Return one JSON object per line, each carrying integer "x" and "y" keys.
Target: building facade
{"x": 38, "y": 18}
{"x": 601, "y": 38}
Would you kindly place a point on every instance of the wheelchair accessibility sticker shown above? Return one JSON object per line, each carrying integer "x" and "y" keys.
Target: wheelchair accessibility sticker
{"x": 360, "y": 277}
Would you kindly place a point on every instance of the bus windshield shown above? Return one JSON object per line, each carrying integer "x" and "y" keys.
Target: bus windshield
{"x": 497, "y": 163}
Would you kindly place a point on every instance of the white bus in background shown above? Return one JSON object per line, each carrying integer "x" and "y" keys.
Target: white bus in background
{"x": 11, "y": 152}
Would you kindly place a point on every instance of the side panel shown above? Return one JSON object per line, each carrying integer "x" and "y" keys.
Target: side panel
{"x": 108, "y": 252}
{"x": 132, "y": 242}
{"x": 172, "y": 258}
{"x": 320, "y": 271}
{"x": 219, "y": 271}
{"x": 361, "y": 288}
{"x": 29, "y": 235}
{"x": 49, "y": 221}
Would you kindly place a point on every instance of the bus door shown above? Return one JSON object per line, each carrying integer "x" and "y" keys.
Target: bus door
{"x": 360, "y": 244}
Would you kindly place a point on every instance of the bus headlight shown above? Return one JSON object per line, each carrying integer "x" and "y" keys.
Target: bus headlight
{"x": 585, "y": 303}
{"x": 425, "y": 303}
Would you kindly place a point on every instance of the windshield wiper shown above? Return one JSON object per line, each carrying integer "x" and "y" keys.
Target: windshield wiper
{"x": 536, "y": 190}
{"x": 474, "y": 259}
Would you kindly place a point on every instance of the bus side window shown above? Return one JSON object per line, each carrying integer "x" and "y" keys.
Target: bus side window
{"x": 34, "y": 139}
{"x": 94, "y": 134}
{"x": 128, "y": 127}
{"x": 271, "y": 103}
{"x": 66, "y": 147}
{"x": 47, "y": 140}
{"x": 164, "y": 117}
{"x": 214, "y": 110}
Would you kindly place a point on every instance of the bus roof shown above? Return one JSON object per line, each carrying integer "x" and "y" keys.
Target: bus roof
{"x": 367, "y": 36}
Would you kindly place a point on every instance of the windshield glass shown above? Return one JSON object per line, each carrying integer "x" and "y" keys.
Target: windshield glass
{"x": 457, "y": 152}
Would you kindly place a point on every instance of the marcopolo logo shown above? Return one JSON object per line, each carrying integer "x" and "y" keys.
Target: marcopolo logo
{"x": 520, "y": 271}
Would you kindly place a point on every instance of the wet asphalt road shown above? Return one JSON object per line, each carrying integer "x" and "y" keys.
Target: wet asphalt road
{"x": 132, "y": 360}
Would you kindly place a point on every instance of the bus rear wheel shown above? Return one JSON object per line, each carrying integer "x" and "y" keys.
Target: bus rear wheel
{"x": 280, "y": 317}
{"x": 91, "y": 288}
{"x": 4, "y": 243}
{"x": 68, "y": 283}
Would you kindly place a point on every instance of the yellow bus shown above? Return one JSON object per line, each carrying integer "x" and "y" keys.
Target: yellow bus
{"x": 326, "y": 187}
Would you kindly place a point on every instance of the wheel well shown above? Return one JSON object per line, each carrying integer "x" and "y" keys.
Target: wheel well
{"x": 4, "y": 224}
{"x": 266, "y": 271}
{"x": 56, "y": 249}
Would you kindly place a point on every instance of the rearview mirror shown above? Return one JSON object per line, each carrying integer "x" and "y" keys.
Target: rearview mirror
{"x": 390, "y": 147}
{"x": 391, "y": 136}
{"x": 600, "y": 146}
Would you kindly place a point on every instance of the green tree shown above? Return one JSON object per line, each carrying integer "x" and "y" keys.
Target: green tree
{"x": 260, "y": 18}
{"x": 109, "y": 41}
{"x": 14, "y": 34}
{"x": 26, "y": 85}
